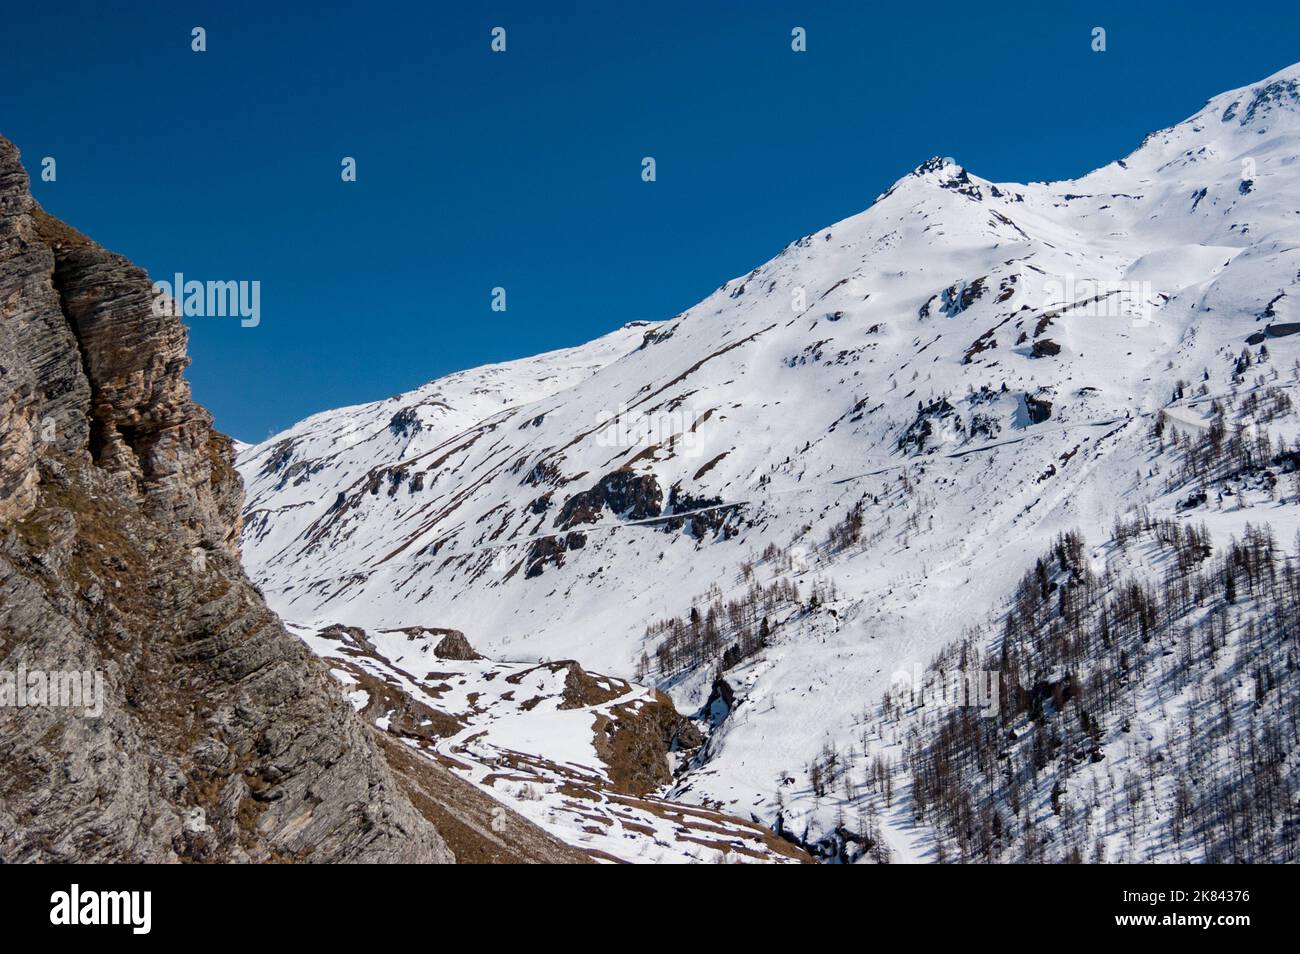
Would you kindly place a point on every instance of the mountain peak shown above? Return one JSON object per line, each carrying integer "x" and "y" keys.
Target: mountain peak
{"x": 941, "y": 172}
{"x": 935, "y": 164}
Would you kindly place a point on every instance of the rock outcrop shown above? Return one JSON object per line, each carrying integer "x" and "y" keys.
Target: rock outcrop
{"x": 215, "y": 735}
{"x": 454, "y": 645}
{"x": 634, "y": 743}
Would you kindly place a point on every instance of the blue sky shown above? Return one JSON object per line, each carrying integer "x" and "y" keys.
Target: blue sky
{"x": 522, "y": 169}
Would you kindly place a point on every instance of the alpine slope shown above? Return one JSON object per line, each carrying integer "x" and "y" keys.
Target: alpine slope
{"x": 771, "y": 511}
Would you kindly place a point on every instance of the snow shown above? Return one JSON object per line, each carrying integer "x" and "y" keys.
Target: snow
{"x": 522, "y": 740}
{"x": 796, "y": 383}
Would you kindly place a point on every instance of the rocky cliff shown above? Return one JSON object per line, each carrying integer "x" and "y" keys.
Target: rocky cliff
{"x": 221, "y": 738}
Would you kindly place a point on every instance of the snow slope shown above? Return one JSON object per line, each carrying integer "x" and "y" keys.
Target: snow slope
{"x": 973, "y": 366}
{"x": 542, "y": 739}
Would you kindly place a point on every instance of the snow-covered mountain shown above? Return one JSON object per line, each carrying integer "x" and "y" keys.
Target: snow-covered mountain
{"x": 837, "y": 465}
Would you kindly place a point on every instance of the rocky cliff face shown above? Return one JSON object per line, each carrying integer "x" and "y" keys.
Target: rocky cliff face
{"x": 221, "y": 738}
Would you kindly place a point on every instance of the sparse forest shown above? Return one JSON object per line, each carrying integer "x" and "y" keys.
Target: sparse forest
{"x": 1136, "y": 720}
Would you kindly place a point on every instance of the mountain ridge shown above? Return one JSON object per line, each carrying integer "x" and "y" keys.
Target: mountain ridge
{"x": 861, "y": 445}
{"x": 154, "y": 709}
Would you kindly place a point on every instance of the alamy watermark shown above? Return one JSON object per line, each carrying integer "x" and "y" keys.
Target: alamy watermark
{"x": 979, "y": 689}
{"x": 212, "y": 299}
{"x": 662, "y": 428}
{"x": 75, "y": 906}
{"x": 1096, "y": 298}
{"x": 24, "y": 688}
